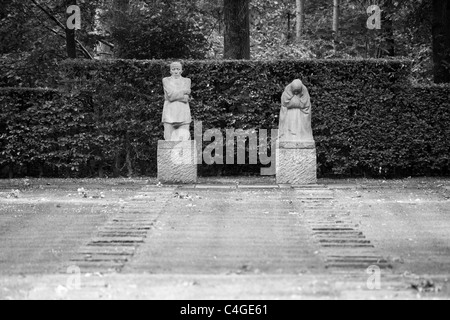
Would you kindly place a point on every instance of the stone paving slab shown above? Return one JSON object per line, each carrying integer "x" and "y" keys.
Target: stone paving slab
{"x": 212, "y": 287}
{"x": 222, "y": 231}
{"x": 213, "y": 186}
{"x": 219, "y": 187}
{"x": 31, "y": 243}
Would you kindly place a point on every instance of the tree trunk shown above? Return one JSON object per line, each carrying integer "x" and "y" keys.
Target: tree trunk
{"x": 237, "y": 29}
{"x": 336, "y": 17}
{"x": 101, "y": 171}
{"x": 116, "y": 169}
{"x": 70, "y": 35}
{"x": 11, "y": 171}
{"x": 128, "y": 156}
{"x": 300, "y": 18}
{"x": 388, "y": 29}
{"x": 441, "y": 41}
{"x": 120, "y": 8}
{"x": 289, "y": 33}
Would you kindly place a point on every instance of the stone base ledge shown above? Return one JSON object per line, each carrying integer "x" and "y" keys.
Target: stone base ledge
{"x": 296, "y": 166}
{"x": 296, "y": 145}
{"x": 177, "y": 162}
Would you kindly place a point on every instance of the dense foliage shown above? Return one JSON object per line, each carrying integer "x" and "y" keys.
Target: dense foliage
{"x": 368, "y": 120}
{"x": 157, "y": 30}
{"x": 33, "y": 44}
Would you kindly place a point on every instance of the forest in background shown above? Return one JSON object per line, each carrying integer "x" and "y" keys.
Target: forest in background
{"x": 34, "y": 39}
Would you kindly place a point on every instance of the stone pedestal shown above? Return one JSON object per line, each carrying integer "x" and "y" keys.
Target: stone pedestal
{"x": 177, "y": 162}
{"x": 296, "y": 163}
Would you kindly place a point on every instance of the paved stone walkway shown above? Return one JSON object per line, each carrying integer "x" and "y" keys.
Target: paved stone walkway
{"x": 116, "y": 242}
{"x": 38, "y": 237}
{"x": 228, "y": 240}
{"x": 228, "y": 232}
{"x": 255, "y": 230}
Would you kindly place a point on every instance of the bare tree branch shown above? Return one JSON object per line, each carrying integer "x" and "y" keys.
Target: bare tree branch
{"x": 49, "y": 14}
{"x": 84, "y": 50}
{"x": 55, "y": 32}
{"x": 53, "y": 18}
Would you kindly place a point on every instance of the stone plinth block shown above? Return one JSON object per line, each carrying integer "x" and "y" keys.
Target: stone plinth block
{"x": 296, "y": 163}
{"x": 177, "y": 162}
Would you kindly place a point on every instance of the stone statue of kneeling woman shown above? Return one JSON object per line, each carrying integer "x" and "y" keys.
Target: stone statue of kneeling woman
{"x": 295, "y": 116}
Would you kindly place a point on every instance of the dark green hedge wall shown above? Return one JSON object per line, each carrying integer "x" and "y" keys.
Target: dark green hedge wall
{"x": 41, "y": 133}
{"x": 367, "y": 119}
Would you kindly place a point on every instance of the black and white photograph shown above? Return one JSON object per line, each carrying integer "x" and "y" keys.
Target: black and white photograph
{"x": 224, "y": 158}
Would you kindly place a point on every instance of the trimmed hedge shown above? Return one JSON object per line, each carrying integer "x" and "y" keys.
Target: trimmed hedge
{"x": 367, "y": 120}
{"x": 398, "y": 132}
{"x": 41, "y": 133}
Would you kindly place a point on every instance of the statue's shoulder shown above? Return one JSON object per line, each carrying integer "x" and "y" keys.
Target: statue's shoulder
{"x": 167, "y": 79}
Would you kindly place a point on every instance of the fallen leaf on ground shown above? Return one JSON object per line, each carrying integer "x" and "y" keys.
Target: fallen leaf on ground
{"x": 14, "y": 194}
{"x": 426, "y": 286}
